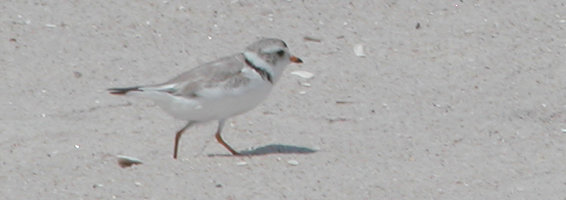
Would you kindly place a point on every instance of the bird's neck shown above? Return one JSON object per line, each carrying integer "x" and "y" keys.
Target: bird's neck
{"x": 266, "y": 70}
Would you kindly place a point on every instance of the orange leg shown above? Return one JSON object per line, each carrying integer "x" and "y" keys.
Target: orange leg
{"x": 221, "y": 141}
{"x": 178, "y": 137}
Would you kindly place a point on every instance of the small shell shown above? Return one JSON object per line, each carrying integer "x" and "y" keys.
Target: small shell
{"x": 126, "y": 161}
{"x": 312, "y": 39}
{"x": 359, "y": 50}
{"x": 293, "y": 162}
{"x": 303, "y": 74}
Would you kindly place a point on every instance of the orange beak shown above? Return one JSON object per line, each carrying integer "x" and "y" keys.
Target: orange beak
{"x": 295, "y": 59}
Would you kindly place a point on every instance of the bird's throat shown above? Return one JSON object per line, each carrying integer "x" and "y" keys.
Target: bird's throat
{"x": 262, "y": 72}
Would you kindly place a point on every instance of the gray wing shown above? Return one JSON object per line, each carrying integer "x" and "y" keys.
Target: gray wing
{"x": 217, "y": 73}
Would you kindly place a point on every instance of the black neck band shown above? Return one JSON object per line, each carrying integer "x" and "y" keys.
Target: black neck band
{"x": 264, "y": 74}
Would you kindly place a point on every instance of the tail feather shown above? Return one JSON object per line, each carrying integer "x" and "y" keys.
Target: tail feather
{"x": 123, "y": 91}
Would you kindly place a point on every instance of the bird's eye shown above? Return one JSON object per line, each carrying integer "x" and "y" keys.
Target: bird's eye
{"x": 280, "y": 52}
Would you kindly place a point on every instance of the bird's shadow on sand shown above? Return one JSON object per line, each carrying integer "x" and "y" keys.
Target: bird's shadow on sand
{"x": 271, "y": 149}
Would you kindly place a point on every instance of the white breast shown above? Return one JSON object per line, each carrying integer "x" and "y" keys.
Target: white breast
{"x": 219, "y": 103}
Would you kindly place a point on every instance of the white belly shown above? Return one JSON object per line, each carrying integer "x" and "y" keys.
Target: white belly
{"x": 218, "y": 103}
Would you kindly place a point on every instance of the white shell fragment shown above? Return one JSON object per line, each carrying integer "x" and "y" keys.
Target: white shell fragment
{"x": 303, "y": 74}
{"x": 312, "y": 39}
{"x": 359, "y": 50}
{"x": 241, "y": 163}
{"x": 293, "y": 162}
{"x": 126, "y": 161}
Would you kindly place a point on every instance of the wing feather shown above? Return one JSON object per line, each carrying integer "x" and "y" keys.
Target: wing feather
{"x": 212, "y": 74}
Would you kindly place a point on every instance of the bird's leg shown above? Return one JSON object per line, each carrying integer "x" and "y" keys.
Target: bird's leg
{"x": 220, "y": 140}
{"x": 178, "y": 137}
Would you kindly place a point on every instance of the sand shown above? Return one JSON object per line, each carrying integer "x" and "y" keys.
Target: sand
{"x": 452, "y": 100}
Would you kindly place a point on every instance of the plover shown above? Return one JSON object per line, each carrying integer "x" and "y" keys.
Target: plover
{"x": 219, "y": 89}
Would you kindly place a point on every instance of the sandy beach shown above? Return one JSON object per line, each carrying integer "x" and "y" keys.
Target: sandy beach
{"x": 450, "y": 100}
